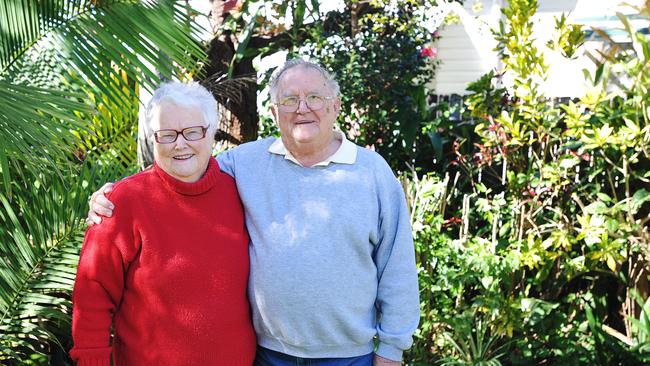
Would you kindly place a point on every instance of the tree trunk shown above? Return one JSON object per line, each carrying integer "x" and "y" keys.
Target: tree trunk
{"x": 239, "y": 118}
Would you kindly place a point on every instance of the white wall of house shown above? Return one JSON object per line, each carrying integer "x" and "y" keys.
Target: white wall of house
{"x": 465, "y": 50}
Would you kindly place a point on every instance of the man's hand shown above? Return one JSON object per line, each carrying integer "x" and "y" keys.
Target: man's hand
{"x": 100, "y": 205}
{"x": 380, "y": 361}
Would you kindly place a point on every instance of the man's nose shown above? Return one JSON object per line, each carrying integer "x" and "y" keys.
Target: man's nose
{"x": 302, "y": 107}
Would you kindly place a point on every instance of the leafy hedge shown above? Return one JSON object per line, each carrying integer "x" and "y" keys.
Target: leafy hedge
{"x": 533, "y": 247}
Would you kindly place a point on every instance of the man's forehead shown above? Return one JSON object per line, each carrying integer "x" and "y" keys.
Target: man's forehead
{"x": 302, "y": 78}
{"x": 304, "y": 72}
{"x": 314, "y": 89}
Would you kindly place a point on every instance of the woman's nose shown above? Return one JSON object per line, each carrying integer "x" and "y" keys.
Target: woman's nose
{"x": 180, "y": 142}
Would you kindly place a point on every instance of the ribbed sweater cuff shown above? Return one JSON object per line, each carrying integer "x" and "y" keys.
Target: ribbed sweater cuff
{"x": 390, "y": 352}
{"x": 92, "y": 356}
{"x": 94, "y": 362}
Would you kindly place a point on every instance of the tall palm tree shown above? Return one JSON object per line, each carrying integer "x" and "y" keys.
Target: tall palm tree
{"x": 70, "y": 75}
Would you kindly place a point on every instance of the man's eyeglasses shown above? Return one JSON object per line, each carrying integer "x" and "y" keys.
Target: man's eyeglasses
{"x": 313, "y": 101}
{"x": 190, "y": 134}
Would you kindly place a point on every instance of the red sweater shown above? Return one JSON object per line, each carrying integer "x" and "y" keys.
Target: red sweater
{"x": 169, "y": 272}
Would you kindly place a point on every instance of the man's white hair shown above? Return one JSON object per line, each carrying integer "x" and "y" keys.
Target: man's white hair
{"x": 331, "y": 83}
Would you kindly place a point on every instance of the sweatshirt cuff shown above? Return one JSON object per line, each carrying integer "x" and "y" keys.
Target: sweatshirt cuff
{"x": 389, "y": 351}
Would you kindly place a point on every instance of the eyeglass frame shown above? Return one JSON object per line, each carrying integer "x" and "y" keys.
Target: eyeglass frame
{"x": 204, "y": 130}
{"x": 303, "y": 99}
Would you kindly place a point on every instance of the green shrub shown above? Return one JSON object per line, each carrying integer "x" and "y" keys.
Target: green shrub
{"x": 538, "y": 242}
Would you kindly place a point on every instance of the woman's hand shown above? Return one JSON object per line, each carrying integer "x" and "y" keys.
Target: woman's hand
{"x": 99, "y": 205}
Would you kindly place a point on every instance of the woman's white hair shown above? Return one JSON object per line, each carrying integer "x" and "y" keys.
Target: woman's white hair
{"x": 184, "y": 94}
{"x": 332, "y": 84}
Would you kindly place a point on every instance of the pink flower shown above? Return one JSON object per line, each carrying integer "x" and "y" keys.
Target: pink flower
{"x": 229, "y": 5}
{"x": 429, "y": 52}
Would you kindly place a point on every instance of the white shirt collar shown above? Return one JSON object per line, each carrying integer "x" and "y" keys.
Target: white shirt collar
{"x": 346, "y": 153}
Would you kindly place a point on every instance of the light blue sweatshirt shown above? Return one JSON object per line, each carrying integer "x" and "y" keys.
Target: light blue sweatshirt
{"x": 332, "y": 257}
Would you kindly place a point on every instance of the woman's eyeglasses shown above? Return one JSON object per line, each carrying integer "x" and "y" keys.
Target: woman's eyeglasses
{"x": 190, "y": 134}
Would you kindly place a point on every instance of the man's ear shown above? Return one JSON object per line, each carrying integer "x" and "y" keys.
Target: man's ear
{"x": 337, "y": 105}
{"x": 274, "y": 112}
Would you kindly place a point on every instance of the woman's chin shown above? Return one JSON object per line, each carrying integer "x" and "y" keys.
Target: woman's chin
{"x": 185, "y": 170}
{"x": 189, "y": 178}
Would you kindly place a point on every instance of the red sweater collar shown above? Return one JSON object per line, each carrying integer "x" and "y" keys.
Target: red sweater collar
{"x": 204, "y": 184}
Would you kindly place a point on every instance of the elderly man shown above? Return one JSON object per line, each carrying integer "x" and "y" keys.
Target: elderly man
{"x": 332, "y": 262}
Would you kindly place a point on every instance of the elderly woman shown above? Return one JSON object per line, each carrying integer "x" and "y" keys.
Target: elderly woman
{"x": 168, "y": 272}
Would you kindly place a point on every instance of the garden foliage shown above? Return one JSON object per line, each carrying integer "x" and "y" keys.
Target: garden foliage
{"x": 530, "y": 218}
{"x": 533, "y": 248}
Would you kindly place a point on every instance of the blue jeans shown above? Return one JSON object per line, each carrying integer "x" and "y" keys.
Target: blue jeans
{"x": 266, "y": 357}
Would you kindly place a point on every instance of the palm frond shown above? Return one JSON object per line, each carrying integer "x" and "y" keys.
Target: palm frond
{"x": 142, "y": 26}
{"x": 97, "y": 44}
{"x": 113, "y": 132}
{"x": 39, "y": 250}
{"x": 229, "y": 89}
{"x": 43, "y": 233}
{"x": 31, "y": 124}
